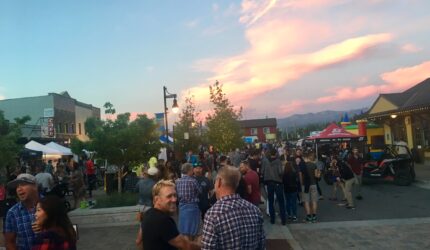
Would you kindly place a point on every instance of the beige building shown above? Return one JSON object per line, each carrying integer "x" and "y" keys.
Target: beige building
{"x": 405, "y": 117}
{"x": 54, "y": 117}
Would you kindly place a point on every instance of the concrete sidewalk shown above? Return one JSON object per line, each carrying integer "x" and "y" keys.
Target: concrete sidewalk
{"x": 422, "y": 173}
{"x": 408, "y": 234}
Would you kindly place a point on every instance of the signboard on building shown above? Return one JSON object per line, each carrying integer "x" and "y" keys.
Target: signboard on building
{"x": 47, "y": 128}
{"x": 48, "y": 112}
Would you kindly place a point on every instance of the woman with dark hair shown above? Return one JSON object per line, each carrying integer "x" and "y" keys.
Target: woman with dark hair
{"x": 56, "y": 230}
{"x": 290, "y": 182}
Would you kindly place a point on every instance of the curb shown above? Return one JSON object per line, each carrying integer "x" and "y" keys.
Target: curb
{"x": 361, "y": 223}
{"x": 103, "y": 217}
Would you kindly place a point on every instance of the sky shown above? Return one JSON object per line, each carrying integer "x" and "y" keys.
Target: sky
{"x": 274, "y": 58}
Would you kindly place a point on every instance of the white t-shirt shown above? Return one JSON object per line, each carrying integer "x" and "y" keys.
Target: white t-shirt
{"x": 401, "y": 147}
{"x": 45, "y": 180}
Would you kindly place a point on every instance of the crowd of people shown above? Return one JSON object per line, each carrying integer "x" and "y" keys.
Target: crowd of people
{"x": 215, "y": 195}
{"x": 37, "y": 219}
{"x": 218, "y": 199}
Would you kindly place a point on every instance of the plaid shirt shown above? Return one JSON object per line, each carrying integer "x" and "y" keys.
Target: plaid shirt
{"x": 233, "y": 223}
{"x": 18, "y": 220}
{"x": 188, "y": 189}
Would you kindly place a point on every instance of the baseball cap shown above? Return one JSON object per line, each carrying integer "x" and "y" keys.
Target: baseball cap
{"x": 22, "y": 178}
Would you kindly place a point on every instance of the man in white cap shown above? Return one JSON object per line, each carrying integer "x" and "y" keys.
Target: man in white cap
{"x": 144, "y": 187}
{"x": 18, "y": 224}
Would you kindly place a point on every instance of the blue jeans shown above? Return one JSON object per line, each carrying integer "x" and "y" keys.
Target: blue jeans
{"x": 291, "y": 203}
{"x": 277, "y": 189}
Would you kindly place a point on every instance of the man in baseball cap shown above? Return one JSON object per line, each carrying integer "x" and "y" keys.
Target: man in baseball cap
{"x": 18, "y": 224}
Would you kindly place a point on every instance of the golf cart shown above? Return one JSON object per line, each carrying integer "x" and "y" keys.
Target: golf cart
{"x": 394, "y": 163}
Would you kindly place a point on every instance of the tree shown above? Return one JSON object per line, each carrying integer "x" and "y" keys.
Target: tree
{"x": 122, "y": 142}
{"x": 109, "y": 110}
{"x": 188, "y": 124}
{"x": 224, "y": 132}
{"x": 9, "y": 147}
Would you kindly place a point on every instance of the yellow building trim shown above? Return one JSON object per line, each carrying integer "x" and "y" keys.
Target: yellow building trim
{"x": 388, "y": 135}
{"x": 382, "y": 105}
{"x": 409, "y": 135}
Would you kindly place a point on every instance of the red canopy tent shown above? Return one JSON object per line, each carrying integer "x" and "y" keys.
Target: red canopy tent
{"x": 334, "y": 133}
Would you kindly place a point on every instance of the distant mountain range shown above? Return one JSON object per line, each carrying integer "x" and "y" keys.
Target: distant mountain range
{"x": 302, "y": 120}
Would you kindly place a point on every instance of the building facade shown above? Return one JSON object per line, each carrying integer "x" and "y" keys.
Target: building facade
{"x": 262, "y": 130}
{"x": 54, "y": 117}
{"x": 405, "y": 117}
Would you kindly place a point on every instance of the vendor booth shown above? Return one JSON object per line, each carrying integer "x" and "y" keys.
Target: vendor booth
{"x": 334, "y": 134}
{"x": 58, "y": 147}
{"x": 46, "y": 151}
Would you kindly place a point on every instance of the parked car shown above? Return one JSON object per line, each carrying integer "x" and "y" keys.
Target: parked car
{"x": 396, "y": 163}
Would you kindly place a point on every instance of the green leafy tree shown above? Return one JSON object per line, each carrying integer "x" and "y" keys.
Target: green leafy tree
{"x": 9, "y": 147}
{"x": 224, "y": 132}
{"x": 109, "y": 110}
{"x": 188, "y": 124}
{"x": 121, "y": 142}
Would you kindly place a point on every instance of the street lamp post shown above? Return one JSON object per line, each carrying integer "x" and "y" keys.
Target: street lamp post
{"x": 175, "y": 109}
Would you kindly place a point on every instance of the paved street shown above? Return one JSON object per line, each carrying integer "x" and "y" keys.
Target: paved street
{"x": 389, "y": 217}
{"x": 376, "y": 234}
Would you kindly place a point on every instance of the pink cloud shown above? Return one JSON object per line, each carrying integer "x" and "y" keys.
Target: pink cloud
{"x": 410, "y": 48}
{"x": 133, "y": 115}
{"x": 252, "y": 10}
{"x": 283, "y": 48}
{"x": 404, "y": 78}
{"x": 309, "y": 4}
{"x": 253, "y": 73}
{"x": 395, "y": 81}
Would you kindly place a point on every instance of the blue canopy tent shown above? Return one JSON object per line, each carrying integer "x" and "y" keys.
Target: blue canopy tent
{"x": 163, "y": 139}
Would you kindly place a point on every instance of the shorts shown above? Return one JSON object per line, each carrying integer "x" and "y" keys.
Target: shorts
{"x": 312, "y": 196}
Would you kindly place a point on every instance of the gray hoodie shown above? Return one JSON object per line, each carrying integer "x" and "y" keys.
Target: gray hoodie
{"x": 272, "y": 169}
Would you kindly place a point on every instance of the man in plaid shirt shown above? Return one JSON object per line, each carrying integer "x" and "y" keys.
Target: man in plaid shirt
{"x": 232, "y": 222}
{"x": 188, "y": 190}
{"x": 18, "y": 224}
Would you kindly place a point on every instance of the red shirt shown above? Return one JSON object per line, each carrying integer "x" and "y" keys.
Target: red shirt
{"x": 90, "y": 167}
{"x": 356, "y": 164}
{"x": 251, "y": 179}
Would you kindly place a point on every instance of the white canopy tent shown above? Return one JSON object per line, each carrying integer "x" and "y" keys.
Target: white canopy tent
{"x": 62, "y": 149}
{"x": 44, "y": 149}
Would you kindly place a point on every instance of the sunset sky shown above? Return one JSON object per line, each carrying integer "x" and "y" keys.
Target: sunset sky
{"x": 274, "y": 58}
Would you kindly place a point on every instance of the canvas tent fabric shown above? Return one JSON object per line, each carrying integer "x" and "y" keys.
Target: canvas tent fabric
{"x": 29, "y": 153}
{"x": 62, "y": 149}
{"x": 334, "y": 133}
{"x": 42, "y": 148}
{"x": 163, "y": 139}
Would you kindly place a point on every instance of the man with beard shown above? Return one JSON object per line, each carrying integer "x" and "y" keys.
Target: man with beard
{"x": 18, "y": 231}
{"x": 207, "y": 187}
{"x": 159, "y": 230}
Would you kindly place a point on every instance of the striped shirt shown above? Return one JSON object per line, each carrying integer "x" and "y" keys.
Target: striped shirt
{"x": 233, "y": 223}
